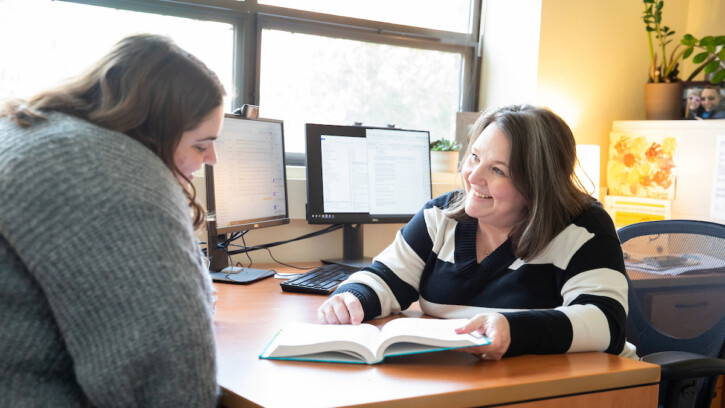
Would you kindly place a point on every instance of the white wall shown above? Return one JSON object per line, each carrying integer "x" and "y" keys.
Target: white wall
{"x": 510, "y": 57}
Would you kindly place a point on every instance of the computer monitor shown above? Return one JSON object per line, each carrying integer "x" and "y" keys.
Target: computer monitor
{"x": 247, "y": 188}
{"x": 365, "y": 175}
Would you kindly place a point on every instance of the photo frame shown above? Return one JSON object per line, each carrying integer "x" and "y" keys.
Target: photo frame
{"x": 693, "y": 107}
{"x": 464, "y": 124}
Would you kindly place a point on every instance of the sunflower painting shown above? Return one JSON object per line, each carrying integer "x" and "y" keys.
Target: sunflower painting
{"x": 642, "y": 166}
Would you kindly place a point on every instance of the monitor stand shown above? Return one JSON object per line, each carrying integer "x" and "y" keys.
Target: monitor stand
{"x": 220, "y": 270}
{"x": 236, "y": 274}
{"x": 352, "y": 248}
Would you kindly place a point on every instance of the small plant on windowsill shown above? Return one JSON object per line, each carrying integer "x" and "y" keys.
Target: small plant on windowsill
{"x": 444, "y": 156}
{"x": 444, "y": 145}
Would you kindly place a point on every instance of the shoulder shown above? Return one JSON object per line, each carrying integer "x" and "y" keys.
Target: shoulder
{"x": 443, "y": 201}
{"x": 719, "y": 114}
{"x": 596, "y": 220}
{"x": 64, "y": 146}
{"x": 434, "y": 211}
{"x": 592, "y": 228}
{"x": 66, "y": 162}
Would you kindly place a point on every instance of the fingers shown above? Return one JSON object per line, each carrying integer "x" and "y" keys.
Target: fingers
{"x": 355, "y": 309}
{"x": 495, "y": 326}
{"x": 343, "y": 308}
{"x": 477, "y": 322}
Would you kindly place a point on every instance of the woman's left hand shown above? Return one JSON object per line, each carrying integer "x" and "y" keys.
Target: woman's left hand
{"x": 496, "y": 327}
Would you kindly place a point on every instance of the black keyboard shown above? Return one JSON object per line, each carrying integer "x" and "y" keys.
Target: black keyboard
{"x": 320, "y": 281}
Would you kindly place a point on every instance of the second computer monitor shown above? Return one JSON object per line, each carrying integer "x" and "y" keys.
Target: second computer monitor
{"x": 364, "y": 175}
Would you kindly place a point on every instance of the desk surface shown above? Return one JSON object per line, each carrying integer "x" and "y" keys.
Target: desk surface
{"x": 247, "y": 318}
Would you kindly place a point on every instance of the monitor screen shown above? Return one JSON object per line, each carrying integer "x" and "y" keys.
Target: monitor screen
{"x": 247, "y": 188}
{"x": 364, "y": 175}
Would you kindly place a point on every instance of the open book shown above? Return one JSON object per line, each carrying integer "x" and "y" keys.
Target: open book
{"x": 365, "y": 343}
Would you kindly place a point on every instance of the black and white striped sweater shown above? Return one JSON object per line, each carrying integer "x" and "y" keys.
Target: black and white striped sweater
{"x": 571, "y": 297}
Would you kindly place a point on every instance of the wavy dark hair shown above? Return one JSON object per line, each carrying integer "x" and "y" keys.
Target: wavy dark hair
{"x": 541, "y": 166}
{"x": 146, "y": 87}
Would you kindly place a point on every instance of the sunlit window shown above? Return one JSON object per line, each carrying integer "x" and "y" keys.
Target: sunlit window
{"x": 448, "y": 15}
{"x": 45, "y": 42}
{"x": 407, "y": 63}
{"x": 313, "y": 79}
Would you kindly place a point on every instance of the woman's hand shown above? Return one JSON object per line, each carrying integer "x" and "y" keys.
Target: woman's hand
{"x": 496, "y": 327}
{"x": 343, "y": 308}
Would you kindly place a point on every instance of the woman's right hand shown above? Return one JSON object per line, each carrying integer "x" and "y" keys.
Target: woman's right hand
{"x": 343, "y": 308}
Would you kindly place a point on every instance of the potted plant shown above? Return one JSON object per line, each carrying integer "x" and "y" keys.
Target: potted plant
{"x": 663, "y": 90}
{"x": 444, "y": 156}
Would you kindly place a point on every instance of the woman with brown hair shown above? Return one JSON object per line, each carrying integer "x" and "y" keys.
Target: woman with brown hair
{"x": 522, "y": 251}
{"x": 104, "y": 298}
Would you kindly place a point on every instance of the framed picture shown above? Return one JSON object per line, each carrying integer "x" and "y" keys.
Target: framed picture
{"x": 702, "y": 100}
{"x": 464, "y": 124}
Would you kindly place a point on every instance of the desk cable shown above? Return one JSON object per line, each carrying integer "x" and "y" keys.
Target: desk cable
{"x": 244, "y": 249}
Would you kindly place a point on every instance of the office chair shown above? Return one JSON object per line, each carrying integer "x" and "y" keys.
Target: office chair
{"x": 676, "y": 276}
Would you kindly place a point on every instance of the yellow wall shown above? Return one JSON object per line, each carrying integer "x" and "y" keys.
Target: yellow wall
{"x": 593, "y": 61}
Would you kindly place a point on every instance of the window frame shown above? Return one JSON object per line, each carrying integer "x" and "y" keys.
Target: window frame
{"x": 249, "y": 19}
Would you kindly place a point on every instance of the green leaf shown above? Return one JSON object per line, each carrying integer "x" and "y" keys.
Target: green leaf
{"x": 712, "y": 66}
{"x": 721, "y": 54}
{"x": 711, "y": 49}
{"x": 707, "y": 40}
{"x": 688, "y": 52}
{"x": 719, "y": 77}
{"x": 719, "y": 40}
{"x": 688, "y": 40}
{"x": 700, "y": 57}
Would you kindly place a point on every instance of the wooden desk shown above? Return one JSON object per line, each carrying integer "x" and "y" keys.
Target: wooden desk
{"x": 247, "y": 317}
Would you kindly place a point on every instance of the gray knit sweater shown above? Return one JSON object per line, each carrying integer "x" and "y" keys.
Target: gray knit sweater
{"x": 103, "y": 296}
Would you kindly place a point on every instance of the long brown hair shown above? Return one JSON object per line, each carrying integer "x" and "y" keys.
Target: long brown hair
{"x": 541, "y": 165}
{"x": 146, "y": 87}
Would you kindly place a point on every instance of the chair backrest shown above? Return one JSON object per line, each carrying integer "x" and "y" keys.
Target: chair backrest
{"x": 676, "y": 270}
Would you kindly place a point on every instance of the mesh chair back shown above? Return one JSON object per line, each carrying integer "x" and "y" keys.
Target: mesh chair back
{"x": 676, "y": 270}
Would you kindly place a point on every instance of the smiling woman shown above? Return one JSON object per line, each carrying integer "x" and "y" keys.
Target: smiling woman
{"x": 522, "y": 251}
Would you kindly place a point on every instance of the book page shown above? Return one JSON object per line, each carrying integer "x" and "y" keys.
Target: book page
{"x": 438, "y": 333}
{"x": 298, "y": 339}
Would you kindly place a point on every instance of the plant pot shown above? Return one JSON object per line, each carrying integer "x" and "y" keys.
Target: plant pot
{"x": 443, "y": 161}
{"x": 663, "y": 101}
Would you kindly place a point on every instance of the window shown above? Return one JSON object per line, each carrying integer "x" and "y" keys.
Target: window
{"x": 338, "y": 81}
{"x": 408, "y": 63}
{"x": 449, "y": 15}
{"x": 62, "y": 39}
